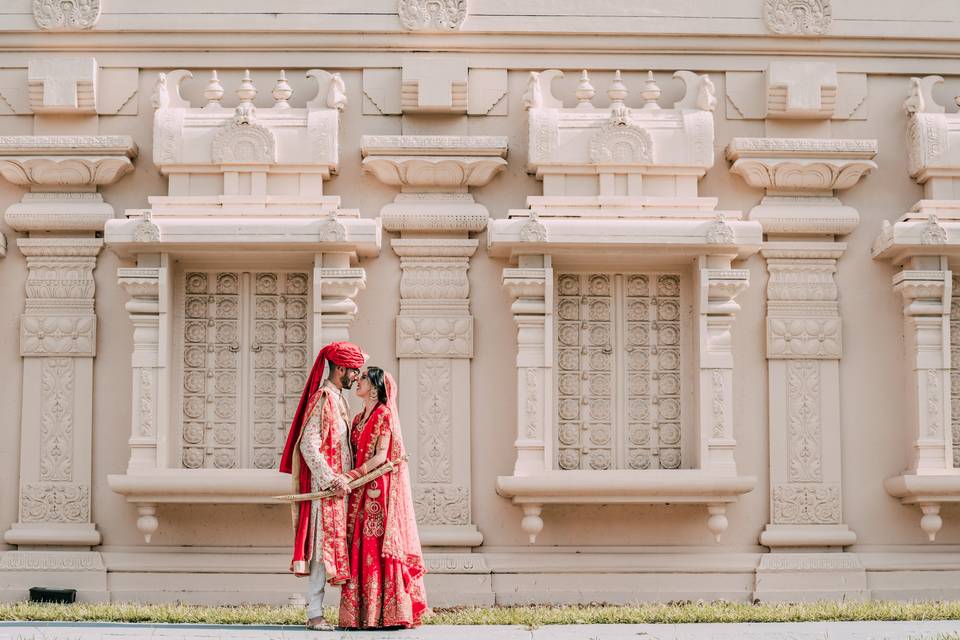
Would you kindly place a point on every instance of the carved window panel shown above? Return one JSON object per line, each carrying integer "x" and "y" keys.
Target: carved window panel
{"x": 618, "y": 370}
{"x": 955, "y": 370}
{"x": 245, "y": 351}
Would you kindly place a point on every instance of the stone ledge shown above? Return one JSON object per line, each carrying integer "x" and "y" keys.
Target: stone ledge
{"x": 681, "y": 486}
{"x": 677, "y": 238}
{"x": 358, "y": 236}
{"x": 215, "y": 486}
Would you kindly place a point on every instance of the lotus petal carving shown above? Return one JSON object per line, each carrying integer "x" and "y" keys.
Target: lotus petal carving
{"x": 64, "y": 170}
{"x": 434, "y": 172}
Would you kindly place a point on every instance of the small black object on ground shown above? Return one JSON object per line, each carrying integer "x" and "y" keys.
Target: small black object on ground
{"x": 50, "y": 594}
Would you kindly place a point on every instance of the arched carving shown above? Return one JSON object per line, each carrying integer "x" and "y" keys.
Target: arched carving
{"x": 621, "y": 143}
{"x": 238, "y": 142}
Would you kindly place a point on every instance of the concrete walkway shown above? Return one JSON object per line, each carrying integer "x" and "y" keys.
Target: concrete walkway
{"x": 782, "y": 631}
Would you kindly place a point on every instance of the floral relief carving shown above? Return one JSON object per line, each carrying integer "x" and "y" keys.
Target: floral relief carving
{"x": 809, "y": 279}
{"x": 926, "y": 141}
{"x": 434, "y": 423}
{"x": 804, "y": 338}
{"x": 419, "y": 336}
{"x": 56, "y": 420}
{"x": 57, "y": 335}
{"x": 432, "y": 15}
{"x": 54, "y": 502}
{"x": 933, "y": 232}
{"x": 594, "y": 367}
{"x": 719, "y": 417}
{"x": 167, "y": 124}
{"x": 60, "y": 277}
{"x": 620, "y": 144}
{"x": 210, "y": 393}
{"x": 64, "y": 15}
{"x": 532, "y": 402}
{"x": 934, "y": 403}
{"x": 803, "y": 417}
{"x": 797, "y": 17}
{"x": 806, "y": 504}
{"x": 543, "y": 133}
{"x": 720, "y": 232}
{"x": 146, "y": 403}
{"x": 238, "y": 142}
{"x": 441, "y": 505}
{"x": 434, "y": 279}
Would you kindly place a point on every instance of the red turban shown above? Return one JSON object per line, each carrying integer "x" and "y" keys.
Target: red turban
{"x": 342, "y": 354}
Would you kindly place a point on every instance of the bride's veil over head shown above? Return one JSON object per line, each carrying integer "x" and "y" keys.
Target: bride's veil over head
{"x": 401, "y": 539}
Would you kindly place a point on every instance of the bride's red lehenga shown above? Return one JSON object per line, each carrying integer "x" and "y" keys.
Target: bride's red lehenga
{"x": 385, "y": 587}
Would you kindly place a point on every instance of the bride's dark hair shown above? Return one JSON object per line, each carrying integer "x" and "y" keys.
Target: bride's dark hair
{"x": 375, "y": 376}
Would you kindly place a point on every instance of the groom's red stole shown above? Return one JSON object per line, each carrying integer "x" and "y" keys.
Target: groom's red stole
{"x": 332, "y": 514}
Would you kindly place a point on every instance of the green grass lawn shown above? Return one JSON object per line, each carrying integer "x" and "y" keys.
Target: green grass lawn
{"x": 528, "y": 616}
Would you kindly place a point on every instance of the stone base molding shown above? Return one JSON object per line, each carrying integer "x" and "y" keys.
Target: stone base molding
{"x": 84, "y": 571}
{"x": 811, "y": 577}
{"x": 501, "y": 576}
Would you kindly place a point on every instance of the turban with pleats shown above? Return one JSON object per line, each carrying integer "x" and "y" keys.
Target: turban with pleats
{"x": 342, "y": 354}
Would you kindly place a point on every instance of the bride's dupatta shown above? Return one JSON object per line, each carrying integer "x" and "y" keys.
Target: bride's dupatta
{"x": 385, "y": 588}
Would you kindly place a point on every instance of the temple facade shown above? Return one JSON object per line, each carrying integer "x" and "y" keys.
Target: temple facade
{"x": 668, "y": 289}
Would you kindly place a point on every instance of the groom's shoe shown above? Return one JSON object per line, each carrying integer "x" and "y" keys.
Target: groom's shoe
{"x": 318, "y": 624}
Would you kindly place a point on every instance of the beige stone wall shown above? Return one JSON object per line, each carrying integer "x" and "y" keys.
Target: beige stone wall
{"x": 873, "y": 371}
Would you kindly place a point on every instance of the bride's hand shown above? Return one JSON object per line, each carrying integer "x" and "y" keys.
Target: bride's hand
{"x": 342, "y": 483}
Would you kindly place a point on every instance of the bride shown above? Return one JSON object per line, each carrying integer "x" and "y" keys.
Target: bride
{"x": 385, "y": 587}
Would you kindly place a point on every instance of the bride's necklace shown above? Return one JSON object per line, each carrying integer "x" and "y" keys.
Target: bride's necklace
{"x": 366, "y": 416}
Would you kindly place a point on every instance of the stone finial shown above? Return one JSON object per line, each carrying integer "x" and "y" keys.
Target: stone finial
{"x": 214, "y": 91}
{"x": 617, "y": 94}
{"x": 914, "y": 102}
{"x": 245, "y": 111}
{"x": 706, "y": 94}
{"x": 282, "y": 92}
{"x": 650, "y": 92}
{"x": 585, "y": 91}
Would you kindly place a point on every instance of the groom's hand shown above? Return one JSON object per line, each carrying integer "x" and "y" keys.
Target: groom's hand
{"x": 341, "y": 485}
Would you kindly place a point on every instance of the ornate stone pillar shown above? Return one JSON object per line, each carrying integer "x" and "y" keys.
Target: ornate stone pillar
{"x": 434, "y": 214}
{"x": 804, "y": 348}
{"x": 718, "y": 286}
{"x": 58, "y": 343}
{"x": 435, "y": 345}
{"x": 58, "y": 339}
{"x": 531, "y": 287}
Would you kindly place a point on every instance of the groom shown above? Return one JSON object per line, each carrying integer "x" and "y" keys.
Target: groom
{"x": 317, "y": 454}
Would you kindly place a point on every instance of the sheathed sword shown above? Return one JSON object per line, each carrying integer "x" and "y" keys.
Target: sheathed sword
{"x": 382, "y": 470}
